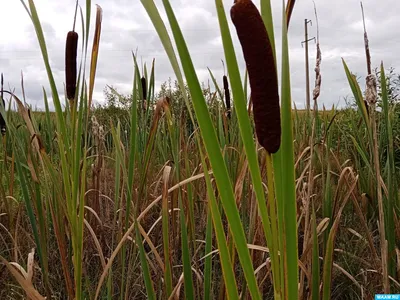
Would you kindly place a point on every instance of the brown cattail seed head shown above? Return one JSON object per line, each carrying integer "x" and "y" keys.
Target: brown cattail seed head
{"x": 371, "y": 94}
{"x": 71, "y": 50}
{"x": 227, "y": 96}
{"x": 3, "y": 127}
{"x": 366, "y": 106}
{"x": 144, "y": 88}
{"x": 263, "y": 79}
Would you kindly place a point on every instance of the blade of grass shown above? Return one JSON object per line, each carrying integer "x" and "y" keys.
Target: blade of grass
{"x": 328, "y": 259}
{"x": 266, "y": 13}
{"x": 165, "y": 229}
{"x": 208, "y": 260}
{"x": 288, "y": 194}
{"x": 355, "y": 87}
{"x": 315, "y": 259}
{"x": 95, "y": 53}
{"x": 391, "y": 178}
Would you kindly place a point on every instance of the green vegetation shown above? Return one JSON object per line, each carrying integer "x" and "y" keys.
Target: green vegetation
{"x": 166, "y": 194}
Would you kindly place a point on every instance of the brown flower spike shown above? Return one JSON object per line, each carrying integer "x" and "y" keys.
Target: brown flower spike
{"x": 144, "y": 88}
{"x": 263, "y": 79}
{"x": 71, "y": 50}
{"x": 227, "y": 96}
{"x": 3, "y": 127}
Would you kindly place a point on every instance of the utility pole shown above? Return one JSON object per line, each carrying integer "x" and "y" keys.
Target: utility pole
{"x": 306, "y": 40}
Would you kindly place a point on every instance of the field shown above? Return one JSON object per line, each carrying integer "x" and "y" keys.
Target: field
{"x": 190, "y": 192}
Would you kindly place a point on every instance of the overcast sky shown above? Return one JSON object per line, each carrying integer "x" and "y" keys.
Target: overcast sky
{"x": 127, "y": 27}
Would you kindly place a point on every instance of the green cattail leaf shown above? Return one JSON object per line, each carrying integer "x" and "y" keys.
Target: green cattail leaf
{"x": 95, "y": 53}
{"x": 287, "y": 184}
{"x": 315, "y": 258}
{"x": 392, "y": 199}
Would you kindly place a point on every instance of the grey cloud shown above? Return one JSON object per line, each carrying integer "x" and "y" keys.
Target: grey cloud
{"x": 127, "y": 27}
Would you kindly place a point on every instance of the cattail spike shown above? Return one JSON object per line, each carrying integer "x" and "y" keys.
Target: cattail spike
{"x": 144, "y": 91}
{"x": 3, "y": 127}
{"x": 71, "y": 50}
{"x": 144, "y": 88}
{"x": 227, "y": 96}
{"x": 260, "y": 63}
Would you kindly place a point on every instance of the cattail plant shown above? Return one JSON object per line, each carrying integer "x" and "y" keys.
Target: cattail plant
{"x": 2, "y": 121}
{"x": 260, "y": 63}
{"x": 256, "y": 38}
{"x": 227, "y": 96}
{"x": 385, "y": 211}
{"x": 70, "y": 64}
